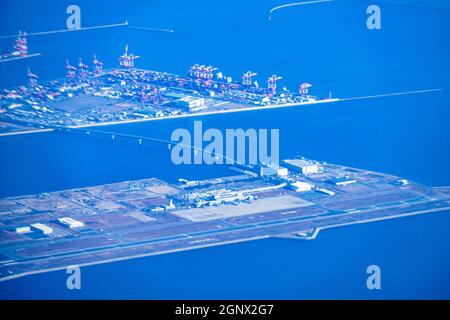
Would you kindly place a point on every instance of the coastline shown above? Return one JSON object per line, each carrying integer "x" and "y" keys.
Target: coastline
{"x": 186, "y": 115}
{"x": 312, "y": 237}
{"x": 243, "y": 109}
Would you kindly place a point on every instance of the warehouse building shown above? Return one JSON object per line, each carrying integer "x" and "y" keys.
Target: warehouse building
{"x": 22, "y": 230}
{"x": 302, "y": 166}
{"x": 71, "y": 223}
{"x": 43, "y": 228}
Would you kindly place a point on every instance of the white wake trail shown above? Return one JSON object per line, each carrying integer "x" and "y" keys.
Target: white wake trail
{"x": 295, "y": 4}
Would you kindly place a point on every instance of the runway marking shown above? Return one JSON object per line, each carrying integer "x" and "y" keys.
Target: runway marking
{"x": 392, "y": 94}
{"x": 295, "y": 4}
{"x": 151, "y": 29}
{"x": 42, "y": 33}
{"x": 388, "y": 217}
{"x": 292, "y": 211}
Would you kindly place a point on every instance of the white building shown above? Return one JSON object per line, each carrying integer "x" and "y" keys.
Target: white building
{"x": 42, "y": 228}
{"x": 22, "y": 230}
{"x": 301, "y": 186}
{"x": 191, "y": 103}
{"x": 281, "y": 171}
{"x": 71, "y": 223}
{"x": 305, "y": 167}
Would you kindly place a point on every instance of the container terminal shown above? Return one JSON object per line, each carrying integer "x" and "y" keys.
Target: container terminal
{"x": 295, "y": 199}
{"x": 91, "y": 96}
{"x": 19, "y": 49}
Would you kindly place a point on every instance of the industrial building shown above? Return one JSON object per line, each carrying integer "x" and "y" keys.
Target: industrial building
{"x": 305, "y": 167}
{"x": 186, "y": 101}
{"x": 223, "y": 199}
{"x": 43, "y": 228}
{"x": 22, "y": 230}
{"x": 71, "y": 223}
{"x": 191, "y": 103}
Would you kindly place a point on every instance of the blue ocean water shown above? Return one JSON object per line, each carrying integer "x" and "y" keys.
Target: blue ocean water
{"x": 327, "y": 45}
